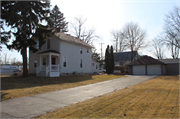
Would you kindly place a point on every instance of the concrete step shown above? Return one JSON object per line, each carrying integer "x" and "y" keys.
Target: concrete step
{"x": 42, "y": 74}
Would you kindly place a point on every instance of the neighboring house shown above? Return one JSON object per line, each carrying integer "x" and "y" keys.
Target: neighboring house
{"x": 147, "y": 66}
{"x": 124, "y": 58}
{"x": 172, "y": 66}
{"x": 95, "y": 67}
{"x": 62, "y": 55}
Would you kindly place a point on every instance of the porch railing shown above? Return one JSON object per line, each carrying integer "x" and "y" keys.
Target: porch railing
{"x": 47, "y": 70}
{"x": 54, "y": 68}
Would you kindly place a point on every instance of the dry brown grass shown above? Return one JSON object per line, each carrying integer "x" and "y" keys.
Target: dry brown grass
{"x": 15, "y": 87}
{"x": 156, "y": 98}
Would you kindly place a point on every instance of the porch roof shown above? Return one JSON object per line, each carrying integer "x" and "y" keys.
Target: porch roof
{"x": 49, "y": 51}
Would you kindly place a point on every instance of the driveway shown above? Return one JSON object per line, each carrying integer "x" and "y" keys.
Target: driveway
{"x": 39, "y": 104}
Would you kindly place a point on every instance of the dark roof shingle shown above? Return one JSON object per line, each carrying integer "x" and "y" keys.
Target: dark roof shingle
{"x": 145, "y": 60}
{"x": 123, "y": 56}
{"x": 53, "y": 51}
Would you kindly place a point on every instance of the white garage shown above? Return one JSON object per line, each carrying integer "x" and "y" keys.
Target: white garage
{"x": 147, "y": 65}
{"x": 154, "y": 69}
{"x": 139, "y": 70}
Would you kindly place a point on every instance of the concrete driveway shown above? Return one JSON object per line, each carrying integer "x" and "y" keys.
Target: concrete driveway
{"x": 39, "y": 104}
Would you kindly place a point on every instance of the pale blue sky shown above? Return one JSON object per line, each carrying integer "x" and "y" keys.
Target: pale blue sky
{"x": 106, "y": 15}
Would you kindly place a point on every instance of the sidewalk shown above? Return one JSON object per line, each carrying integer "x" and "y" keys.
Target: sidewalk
{"x": 40, "y": 104}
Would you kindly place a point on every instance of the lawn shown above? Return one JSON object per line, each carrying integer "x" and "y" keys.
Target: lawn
{"x": 15, "y": 87}
{"x": 156, "y": 98}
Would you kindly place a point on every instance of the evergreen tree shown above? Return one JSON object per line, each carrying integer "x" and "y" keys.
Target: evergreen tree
{"x": 57, "y": 20}
{"x": 112, "y": 60}
{"x": 107, "y": 60}
{"x": 25, "y": 19}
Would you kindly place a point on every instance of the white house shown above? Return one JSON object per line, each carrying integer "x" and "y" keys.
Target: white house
{"x": 62, "y": 55}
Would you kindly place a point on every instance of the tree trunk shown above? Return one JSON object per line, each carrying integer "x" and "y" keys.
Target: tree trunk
{"x": 25, "y": 72}
{"x": 24, "y": 50}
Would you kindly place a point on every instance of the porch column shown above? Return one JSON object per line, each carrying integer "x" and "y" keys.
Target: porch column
{"x": 40, "y": 62}
{"x": 50, "y": 62}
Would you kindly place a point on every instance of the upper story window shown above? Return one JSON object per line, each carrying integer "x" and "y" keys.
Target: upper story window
{"x": 92, "y": 64}
{"x": 37, "y": 44}
{"x": 80, "y": 50}
{"x": 35, "y": 62}
{"x": 64, "y": 61}
{"x": 81, "y": 63}
{"x": 48, "y": 43}
{"x": 87, "y": 50}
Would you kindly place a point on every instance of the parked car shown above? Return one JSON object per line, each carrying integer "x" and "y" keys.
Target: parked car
{"x": 101, "y": 70}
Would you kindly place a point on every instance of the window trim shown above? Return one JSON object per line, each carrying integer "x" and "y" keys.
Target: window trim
{"x": 81, "y": 50}
{"x": 81, "y": 63}
{"x": 65, "y": 61}
{"x": 47, "y": 44}
{"x": 34, "y": 62}
{"x": 37, "y": 45}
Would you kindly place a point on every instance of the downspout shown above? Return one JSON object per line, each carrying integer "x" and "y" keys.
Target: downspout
{"x": 60, "y": 57}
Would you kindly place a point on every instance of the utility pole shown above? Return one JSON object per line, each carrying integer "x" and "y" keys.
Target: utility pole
{"x": 101, "y": 49}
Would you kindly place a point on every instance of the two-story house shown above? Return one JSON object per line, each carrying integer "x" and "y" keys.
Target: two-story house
{"x": 62, "y": 54}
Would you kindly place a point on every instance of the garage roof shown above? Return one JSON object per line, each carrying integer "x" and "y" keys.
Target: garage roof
{"x": 146, "y": 60}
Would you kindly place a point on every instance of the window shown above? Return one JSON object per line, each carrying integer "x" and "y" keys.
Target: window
{"x": 64, "y": 61}
{"x": 48, "y": 43}
{"x": 37, "y": 44}
{"x": 87, "y": 50}
{"x": 92, "y": 64}
{"x": 96, "y": 66}
{"x": 81, "y": 51}
{"x": 81, "y": 63}
{"x": 35, "y": 62}
{"x": 44, "y": 61}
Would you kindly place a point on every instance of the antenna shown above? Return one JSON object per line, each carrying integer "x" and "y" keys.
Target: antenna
{"x": 101, "y": 49}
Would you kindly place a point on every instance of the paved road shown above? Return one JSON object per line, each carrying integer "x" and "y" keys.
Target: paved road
{"x": 39, "y": 104}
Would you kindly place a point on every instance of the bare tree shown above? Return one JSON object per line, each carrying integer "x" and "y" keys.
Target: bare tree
{"x": 172, "y": 27}
{"x": 118, "y": 39}
{"x": 134, "y": 37}
{"x": 158, "y": 46}
{"x": 13, "y": 61}
{"x": 81, "y": 32}
{"x": 171, "y": 35}
{"x": 6, "y": 58}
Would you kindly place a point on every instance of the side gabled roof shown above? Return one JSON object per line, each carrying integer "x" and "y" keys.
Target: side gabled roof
{"x": 145, "y": 60}
{"x": 123, "y": 56}
{"x": 71, "y": 39}
{"x": 170, "y": 61}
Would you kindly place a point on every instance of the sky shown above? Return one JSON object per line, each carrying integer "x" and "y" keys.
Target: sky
{"x": 108, "y": 15}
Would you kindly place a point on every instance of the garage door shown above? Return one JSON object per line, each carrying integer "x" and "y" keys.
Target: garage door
{"x": 154, "y": 69}
{"x": 139, "y": 70}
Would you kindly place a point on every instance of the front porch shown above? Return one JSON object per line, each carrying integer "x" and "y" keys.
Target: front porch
{"x": 48, "y": 64}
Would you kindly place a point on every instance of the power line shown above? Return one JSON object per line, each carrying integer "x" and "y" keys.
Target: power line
{"x": 101, "y": 49}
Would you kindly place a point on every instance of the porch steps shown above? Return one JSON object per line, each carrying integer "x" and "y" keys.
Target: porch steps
{"x": 42, "y": 74}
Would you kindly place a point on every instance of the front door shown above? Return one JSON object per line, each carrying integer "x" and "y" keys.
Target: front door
{"x": 43, "y": 63}
{"x": 53, "y": 61}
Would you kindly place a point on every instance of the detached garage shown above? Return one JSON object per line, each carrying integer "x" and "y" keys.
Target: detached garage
{"x": 147, "y": 66}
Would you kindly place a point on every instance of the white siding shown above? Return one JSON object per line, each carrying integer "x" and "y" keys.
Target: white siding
{"x": 139, "y": 70}
{"x": 153, "y": 69}
{"x": 73, "y": 56}
{"x": 54, "y": 45}
{"x": 94, "y": 69}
